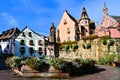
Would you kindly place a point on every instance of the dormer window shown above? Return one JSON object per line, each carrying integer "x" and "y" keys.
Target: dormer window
{"x": 31, "y": 42}
{"x": 22, "y": 42}
{"x": 29, "y": 34}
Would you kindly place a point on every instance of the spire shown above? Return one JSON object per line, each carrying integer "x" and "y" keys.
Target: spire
{"x": 52, "y": 33}
{"x": 105, "y": 9}
{"x": 84, "y": 13}
{"x": 52, "y": 27}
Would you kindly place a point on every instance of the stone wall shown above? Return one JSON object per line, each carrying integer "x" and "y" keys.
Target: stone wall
{"x": 96, "y": 51}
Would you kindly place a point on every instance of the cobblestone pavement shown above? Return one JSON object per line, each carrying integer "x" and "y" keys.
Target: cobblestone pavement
{"x": 104, "y": 73}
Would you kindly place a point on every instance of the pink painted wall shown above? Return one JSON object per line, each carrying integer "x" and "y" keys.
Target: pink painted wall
{"x": 63, "y": 28}
{"x": 105, "y": 25}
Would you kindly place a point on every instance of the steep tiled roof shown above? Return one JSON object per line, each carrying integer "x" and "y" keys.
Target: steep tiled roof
{"x": 71, "y": 17}
{"x": 115, "y": 17}
{"x": 9, "y": 33}
{"x": 33, "y": 32}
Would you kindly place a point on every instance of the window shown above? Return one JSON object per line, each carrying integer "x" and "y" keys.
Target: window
{"x": 65, "y": 21}
{"x": 86, "y": 22}
{"x": 68, "y": 38}
{"x": 23, "y": 34}
{"x": 31, "y": 51}
{"x": 22, "y": 42}
{"x": 31, "y": 42}
{"x": 68, "y": 30}
{"x": 29, "y": 34}
{"x": 7, "y": 46}
{"x": 40, "y": 42}
{"x": 40, "y": 50}
{"x": 22, "y": 50}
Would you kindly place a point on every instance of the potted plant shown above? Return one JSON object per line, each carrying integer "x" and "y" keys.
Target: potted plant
{"x": 86, "y": 45}
{"x": 67, "y": 47}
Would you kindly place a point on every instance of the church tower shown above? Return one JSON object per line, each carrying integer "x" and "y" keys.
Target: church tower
{"x": 84, "y": 23}
{"x": 53, "y": 33}
{"x": 105, "y": 9}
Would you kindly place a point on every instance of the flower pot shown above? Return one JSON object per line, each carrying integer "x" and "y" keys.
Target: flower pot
{"x": 114, "y": 64}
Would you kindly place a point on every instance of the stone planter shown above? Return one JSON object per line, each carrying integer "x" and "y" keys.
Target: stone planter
{"x": 26, "y": 71}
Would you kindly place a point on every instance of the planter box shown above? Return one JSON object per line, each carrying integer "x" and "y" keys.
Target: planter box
{"x": 26, "y": 71}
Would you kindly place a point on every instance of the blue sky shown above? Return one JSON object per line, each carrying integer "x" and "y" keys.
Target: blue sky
{"x": 39, "y": 14}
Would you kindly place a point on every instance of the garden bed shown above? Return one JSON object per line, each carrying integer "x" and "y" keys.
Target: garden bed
{"x": 56, "y": 67}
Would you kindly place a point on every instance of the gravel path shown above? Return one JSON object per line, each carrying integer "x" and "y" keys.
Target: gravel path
{"x": 104, "y": 73}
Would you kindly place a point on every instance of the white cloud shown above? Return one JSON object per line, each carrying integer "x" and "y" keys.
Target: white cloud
{"x": 8, "y": 19}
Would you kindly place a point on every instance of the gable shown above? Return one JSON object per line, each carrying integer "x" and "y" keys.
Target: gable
{"x": 9, "y": 33}
{"x": 108, "y": 21}
{"x": 27, "y": 33}
{"x": 117, "y": 18}
{"x": 67, "y": 19}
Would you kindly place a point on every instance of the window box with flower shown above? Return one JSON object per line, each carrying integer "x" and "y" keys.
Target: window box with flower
{"x": 40, "y": 43}
{"x": 40, "y": 51}
{"x": 23, "y": 34}
{"x": 22, "y": 42}
{"x": 31, "y": 42}
{"x": 29, "y": 34}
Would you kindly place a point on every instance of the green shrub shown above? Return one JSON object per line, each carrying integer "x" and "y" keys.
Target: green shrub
{"x": 83, "y": 62}
{"x": 77, "y": 62}
{"x": 14, "y": 61}
{"x": 58, "y": 63}
{"x": 102, "y": 61}
{"x": 108, "y": 59}
{"x": 118, "y": 49}
{"x": 34, "y": 63}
